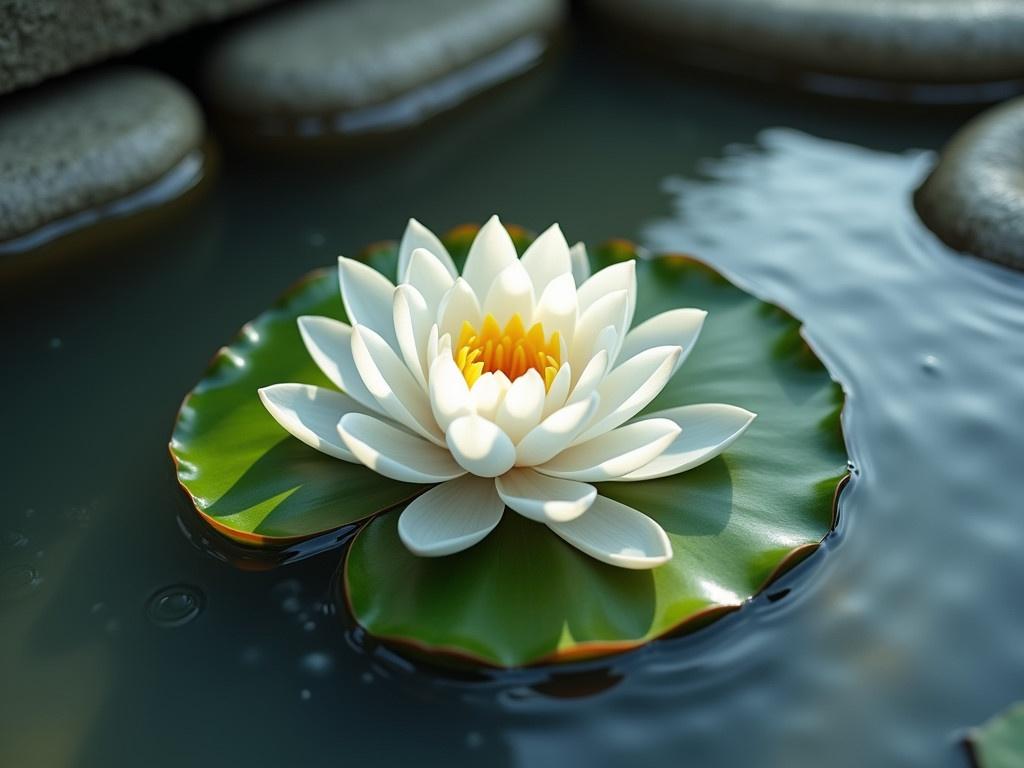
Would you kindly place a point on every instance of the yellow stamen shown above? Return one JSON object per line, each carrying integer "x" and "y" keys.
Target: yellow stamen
{"x": 513, "y": 350}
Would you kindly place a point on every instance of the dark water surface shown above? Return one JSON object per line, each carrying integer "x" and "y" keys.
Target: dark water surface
{"x": 123, "y": 643}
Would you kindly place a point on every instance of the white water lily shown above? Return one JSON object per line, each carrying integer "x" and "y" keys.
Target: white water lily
{"x": 515, "y": 384}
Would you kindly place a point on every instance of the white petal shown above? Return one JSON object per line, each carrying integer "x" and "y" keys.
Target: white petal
{"x": 677, "y": 327}
{"x": 521, "y": 409}
{"x": 449, "y": 394}
{"x": 614, "y": 453}
{"x": 487, "y": 393}
{"x": 395, "y": 453}
{"x": 329, "y": 343}
{"x": 311, "y": 414}
{"x": 556, "y": 309}
{"x": 616, "y": 277}
{"x": 459, "y": 305}
{"x": 413, "y": 322}
{"x": 611, "y": 309}
{"x": 630, "y": 387}
{"x": 368, "y": 298}
{"x": 480, "y": 446}
{"x": 580, "y": 263}
{"x": 418, "y": 236}
{"x": 555, "y": 433}
{"x": 429, "y": 276}
{"x": 433, "y": 347}
{"x": 391, "y": 384}
{"x": 708, "y": 429}
{"x": 451, "y": 517}
{"x": 511, "y": 293}
{"x": 593, "y": 374}
{"x": 544, "y": 498}
{"x": 558, "y": 392}
{"x": 618, "y": 535}
{"x": 620, "y": 276}
{"x": 547, "y": 257}
{"x": 492, "y": 250}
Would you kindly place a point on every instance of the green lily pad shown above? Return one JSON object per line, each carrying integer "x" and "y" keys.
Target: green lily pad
{"x": 999, "y": 743}
{"x": 522, "y": 596}
{"x": 246, "y": 476}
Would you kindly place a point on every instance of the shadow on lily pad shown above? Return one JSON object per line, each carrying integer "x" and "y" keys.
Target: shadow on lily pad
{"x": 292, "y": 488}
{"x": 523, "y": 596}
{"x": 521, "y": 592}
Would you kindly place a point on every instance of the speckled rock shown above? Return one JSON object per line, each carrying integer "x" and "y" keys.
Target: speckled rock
{"x": 328, "y": 56}
{"x": 79, "y": 143}
{"x": 943, "y": 41}
{"x": 42, "y": 38}
{"x": 974, "y": 198}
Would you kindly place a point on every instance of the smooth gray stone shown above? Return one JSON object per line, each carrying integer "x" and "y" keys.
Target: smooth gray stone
{"x": 326, "y": 57}
{"x": 42, "y": 38}
{"x": 974, "y": 198}
{"x": 75, "y": 144}
{"x": 927, "y": 41}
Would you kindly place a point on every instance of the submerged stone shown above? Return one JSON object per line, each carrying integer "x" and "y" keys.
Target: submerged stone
{"x": 926, "y": 41}
{"x": 42, "y": 38}
{"x": 974, "y": 198}
{"x": 358, "y": 65}
{"x": 73, "y": 145}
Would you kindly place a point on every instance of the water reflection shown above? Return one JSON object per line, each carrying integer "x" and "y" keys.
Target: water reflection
{"x": 878, "y": 654}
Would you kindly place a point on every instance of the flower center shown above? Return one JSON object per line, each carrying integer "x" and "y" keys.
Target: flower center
{"x": 512, "y": 350}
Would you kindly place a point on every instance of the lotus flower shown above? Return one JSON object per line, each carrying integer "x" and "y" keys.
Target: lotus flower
{"x": 516, "y": 384}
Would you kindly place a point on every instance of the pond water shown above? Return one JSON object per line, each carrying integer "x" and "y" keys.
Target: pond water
{"x": 125, "y": 643}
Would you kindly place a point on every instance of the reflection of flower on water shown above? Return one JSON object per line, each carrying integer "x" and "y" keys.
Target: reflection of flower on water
{"x": 515, "y": 384}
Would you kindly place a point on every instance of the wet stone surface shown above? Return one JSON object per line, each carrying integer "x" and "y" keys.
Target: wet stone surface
{"x": 175, "y": 606}
{"x": 321, "y": 59}
{"x": 946, "y": 41}
{"x": 85, "y": 142}
{"x": 974, "y": 198}
{"x": 41, "y": 39}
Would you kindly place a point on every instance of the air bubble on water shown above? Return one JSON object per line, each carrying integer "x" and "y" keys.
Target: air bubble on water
{"x": 318, "y": 663}
{"x": 930, "y": 365}
{"x": 474, "y": 740}
{"x": 175, "y": 605}
{"x": 80, "y": 515}
{"x": 305, "y": 695}
{"x": 285, "y": 593}
{"x": 286, "y": 587}
{"x": 18, "y": 581}
{"x": 14, "y": 539}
